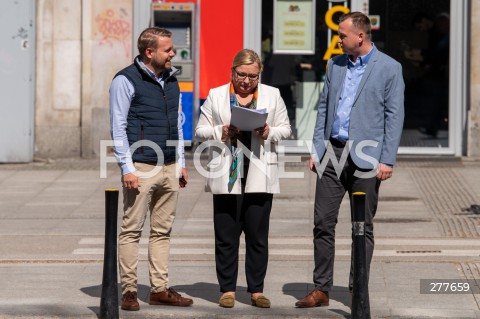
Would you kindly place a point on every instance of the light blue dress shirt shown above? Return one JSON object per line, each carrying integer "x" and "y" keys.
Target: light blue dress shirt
{"x": 121, "y": 95}
{"x": 352, "y": 80}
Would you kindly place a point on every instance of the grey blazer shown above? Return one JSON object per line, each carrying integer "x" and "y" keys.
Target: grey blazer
{"x": 376, "y": 119}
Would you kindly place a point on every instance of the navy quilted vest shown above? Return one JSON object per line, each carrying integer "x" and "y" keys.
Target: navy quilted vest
{"x": 153, "y": 114}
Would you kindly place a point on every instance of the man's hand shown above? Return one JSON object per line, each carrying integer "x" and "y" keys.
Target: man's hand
{"x": 130, "y": 181}
{"x": 311, "y": 164}
{"x": 184, "y": 178}
{"x": 263, "y": 131}
{"x": 384, "y": 172}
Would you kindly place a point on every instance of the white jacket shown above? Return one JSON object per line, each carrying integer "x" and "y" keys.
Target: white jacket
{"x": 263, "y": 170}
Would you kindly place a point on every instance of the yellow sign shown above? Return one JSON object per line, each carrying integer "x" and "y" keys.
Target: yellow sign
{"x": 334, "y": 48}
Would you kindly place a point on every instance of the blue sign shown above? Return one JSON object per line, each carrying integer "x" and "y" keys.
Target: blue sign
{"x": 187, "y": 115}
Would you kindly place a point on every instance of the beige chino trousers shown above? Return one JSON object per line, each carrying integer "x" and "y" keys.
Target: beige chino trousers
{"x": 158, "y": 195}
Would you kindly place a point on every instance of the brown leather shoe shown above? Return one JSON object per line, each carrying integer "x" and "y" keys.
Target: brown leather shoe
{"x": 129, "y": 301}
{"x": 169, "y": 297}
{"x": 315, "y": 298}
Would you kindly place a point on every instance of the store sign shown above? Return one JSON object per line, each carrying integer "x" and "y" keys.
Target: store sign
{"x": 334, "y": 48}
{"x": 294, "y": 26}
{"x": 375, "y": 21}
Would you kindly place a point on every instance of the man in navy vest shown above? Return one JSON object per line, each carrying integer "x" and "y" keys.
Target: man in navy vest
{"x": 144, "y": 116}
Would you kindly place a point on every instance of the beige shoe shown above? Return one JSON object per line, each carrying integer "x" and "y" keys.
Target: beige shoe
{"x": 260, "y": 302}
{"x": 227, "y": 301}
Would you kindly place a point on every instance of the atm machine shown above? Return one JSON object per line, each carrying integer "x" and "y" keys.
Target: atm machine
{"x": 179, "y": 18}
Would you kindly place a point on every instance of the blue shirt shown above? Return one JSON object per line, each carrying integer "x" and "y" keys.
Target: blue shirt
{"x": 121, "y": 94}
{"x": 352, "y": 80}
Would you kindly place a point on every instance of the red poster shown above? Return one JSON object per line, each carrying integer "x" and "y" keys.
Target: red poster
{"x": 221, "y": 36}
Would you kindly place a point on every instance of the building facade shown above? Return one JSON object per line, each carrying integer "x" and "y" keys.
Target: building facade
{"x": 77, "y": 46}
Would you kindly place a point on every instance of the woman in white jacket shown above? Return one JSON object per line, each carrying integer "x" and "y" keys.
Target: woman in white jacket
{"x": 242, "y": 186}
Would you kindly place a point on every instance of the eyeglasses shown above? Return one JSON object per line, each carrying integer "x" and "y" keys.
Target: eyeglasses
{"x": 243, "y": 76}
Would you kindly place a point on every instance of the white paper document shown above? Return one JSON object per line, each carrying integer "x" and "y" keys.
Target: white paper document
{"x": 246, "y": 119}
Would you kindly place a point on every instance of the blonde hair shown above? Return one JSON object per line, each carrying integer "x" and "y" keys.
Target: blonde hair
{"x": 148, "y": 38}
{"x": 247, "y": 57}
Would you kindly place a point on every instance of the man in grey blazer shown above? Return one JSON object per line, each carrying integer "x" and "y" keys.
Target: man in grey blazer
{"x": 356, "y": 137}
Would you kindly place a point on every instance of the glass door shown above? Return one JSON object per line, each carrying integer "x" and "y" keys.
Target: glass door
{"x": 299, "y": 77}
{"x": 426, "y": 37}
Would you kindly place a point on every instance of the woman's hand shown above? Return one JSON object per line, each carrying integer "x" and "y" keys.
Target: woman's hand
{"x": 263, "y": 131}
{"x": 228, "y": 131}
{"x": 224, "y": 133}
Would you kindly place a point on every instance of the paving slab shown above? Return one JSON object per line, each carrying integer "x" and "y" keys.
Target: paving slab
{"x": 52, "y": 226}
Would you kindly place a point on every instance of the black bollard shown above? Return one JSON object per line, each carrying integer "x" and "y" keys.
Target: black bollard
{"x": 109, "y": 300}
{"x": 360, "y": 300}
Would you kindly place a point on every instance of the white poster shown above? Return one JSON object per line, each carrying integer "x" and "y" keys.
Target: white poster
{"x": 294, "y": 26}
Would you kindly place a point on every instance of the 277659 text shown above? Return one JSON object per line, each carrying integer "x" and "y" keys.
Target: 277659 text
{"x": 449, "y": 286}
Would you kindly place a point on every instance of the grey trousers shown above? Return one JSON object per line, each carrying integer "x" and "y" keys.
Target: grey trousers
{"x": 330, "y": 190}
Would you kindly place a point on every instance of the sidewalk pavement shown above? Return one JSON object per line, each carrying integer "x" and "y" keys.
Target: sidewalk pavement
{"x": 52, "y": 235}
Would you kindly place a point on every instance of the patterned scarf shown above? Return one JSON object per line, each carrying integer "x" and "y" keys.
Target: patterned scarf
{"x": 234, "y": 102}
{"x": 236, "y": 152}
